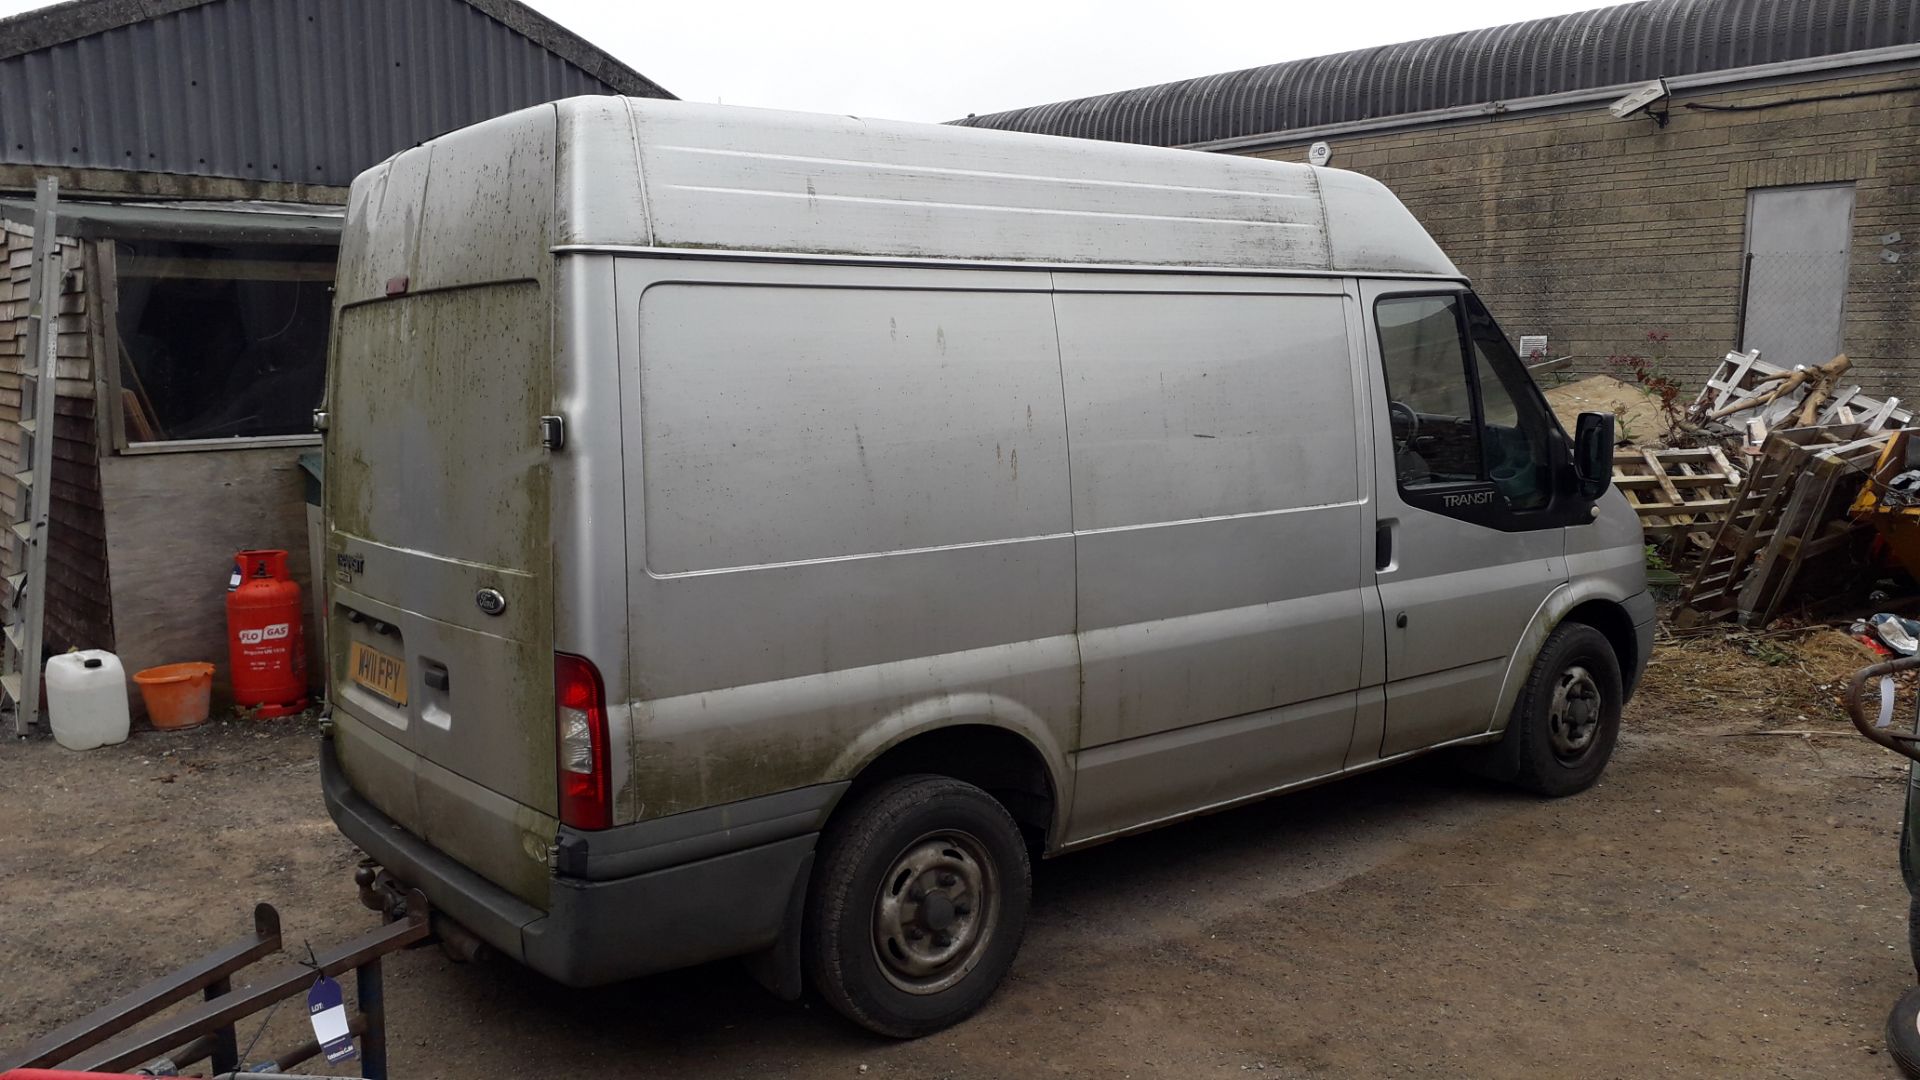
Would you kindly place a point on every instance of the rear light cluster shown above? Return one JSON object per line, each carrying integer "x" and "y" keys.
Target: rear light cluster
{"x": 580, "y": 720}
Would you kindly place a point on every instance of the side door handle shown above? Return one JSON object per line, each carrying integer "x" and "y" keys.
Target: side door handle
{"x": 1383, "y": 538}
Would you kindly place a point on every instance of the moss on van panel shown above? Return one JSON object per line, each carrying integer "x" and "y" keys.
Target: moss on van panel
{"x": 438, "y": 482}
{"x": 435, "y": 439}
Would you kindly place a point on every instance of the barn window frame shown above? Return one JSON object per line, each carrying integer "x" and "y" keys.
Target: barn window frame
{"x": 114, "y": 257}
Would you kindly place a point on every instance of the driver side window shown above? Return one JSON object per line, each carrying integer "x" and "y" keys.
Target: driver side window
{"x": 1460, "y": 405}
{"x": 1429, "y": 391}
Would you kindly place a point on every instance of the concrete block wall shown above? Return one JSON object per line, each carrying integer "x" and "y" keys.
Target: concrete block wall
{"x": 1596, "y": 231}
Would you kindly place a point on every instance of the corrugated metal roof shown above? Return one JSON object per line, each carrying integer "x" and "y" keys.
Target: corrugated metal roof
{"x": 1612, "y": 46}
{"x": 297, "y": 91}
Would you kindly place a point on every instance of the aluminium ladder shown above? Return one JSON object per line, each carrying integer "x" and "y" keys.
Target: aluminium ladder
{"x": 26, "y": 538}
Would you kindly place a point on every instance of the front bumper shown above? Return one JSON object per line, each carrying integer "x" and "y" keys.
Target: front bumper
{"x": 642, "y": 898}
{"x": 1642, "y": 612}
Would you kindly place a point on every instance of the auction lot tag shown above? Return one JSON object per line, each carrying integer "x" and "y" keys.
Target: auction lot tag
{"x": 329, "y": 1018}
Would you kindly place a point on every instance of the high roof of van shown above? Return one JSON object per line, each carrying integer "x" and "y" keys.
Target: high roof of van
{"x": 644, "y": 173}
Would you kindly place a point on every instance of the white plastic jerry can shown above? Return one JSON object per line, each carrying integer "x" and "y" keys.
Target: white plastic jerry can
{"x": 87, "y": 699}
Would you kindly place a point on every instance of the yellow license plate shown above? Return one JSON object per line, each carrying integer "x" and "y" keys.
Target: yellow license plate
{"x": 384, "y": 675}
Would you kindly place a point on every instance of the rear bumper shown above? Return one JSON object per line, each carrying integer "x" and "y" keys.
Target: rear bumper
{"x": 640, "y": 898}
{"x": 1641, "y": 610}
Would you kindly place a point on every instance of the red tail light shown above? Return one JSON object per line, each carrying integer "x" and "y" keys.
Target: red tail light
{"x": 580, "y": 724}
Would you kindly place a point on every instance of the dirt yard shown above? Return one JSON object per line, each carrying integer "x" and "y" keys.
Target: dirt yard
{"x": 1724, "y": 903}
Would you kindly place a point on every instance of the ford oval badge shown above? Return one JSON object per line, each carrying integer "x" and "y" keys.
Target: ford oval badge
{"x": 490, "y": 601}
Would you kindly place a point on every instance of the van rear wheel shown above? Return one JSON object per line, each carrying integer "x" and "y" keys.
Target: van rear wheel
{"x": 917, "y": 905}
{"x": 1568, "y": 716}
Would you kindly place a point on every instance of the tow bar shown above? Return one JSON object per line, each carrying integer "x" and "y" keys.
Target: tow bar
{"x": 111, "y": 1039}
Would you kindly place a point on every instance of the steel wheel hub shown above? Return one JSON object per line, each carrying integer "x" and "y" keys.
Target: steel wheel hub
{"x": 936, "y": 912}
{"x": 1574, "y": 717}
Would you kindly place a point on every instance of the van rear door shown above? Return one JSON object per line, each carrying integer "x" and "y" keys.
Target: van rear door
{"x": 438, "y": 503}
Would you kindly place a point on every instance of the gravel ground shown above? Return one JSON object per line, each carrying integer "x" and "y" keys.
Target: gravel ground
{"x": 1721, "y": 904}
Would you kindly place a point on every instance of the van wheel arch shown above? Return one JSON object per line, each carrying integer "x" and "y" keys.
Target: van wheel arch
{"x": 1001, "y": 762}
{"x": 1499, "y": 759}
{"x": 1617, "y": 627}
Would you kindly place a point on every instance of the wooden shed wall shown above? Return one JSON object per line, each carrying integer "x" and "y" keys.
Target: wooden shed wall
{"x": 79, "y": 608}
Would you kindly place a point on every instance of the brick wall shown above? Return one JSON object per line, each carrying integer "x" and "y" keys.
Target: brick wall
{"x": 78, "y": 611}
{"x": 1595, "y": 231}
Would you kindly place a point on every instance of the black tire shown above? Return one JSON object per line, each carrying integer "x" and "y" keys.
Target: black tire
{"x": 880, "y": 860}
{"x": 1913, "y": 933}
{"x": 1548, "y": 758}
{"x": 1903, "y": 1034}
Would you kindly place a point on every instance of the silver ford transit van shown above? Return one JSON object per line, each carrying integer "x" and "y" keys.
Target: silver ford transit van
{"x": 763, "y": 534}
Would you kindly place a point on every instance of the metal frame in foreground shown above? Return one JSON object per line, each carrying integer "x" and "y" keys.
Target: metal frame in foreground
{"x": 111, "y": 1038}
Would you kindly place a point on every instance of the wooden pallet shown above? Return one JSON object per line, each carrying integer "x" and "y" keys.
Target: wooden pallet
{"x": 1792, "y": 508}
{"x": 1743, "y": 376}
{"x": 1681, "y": 496}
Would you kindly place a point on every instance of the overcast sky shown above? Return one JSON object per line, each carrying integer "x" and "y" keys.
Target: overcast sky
{"x": 919, "y": 61}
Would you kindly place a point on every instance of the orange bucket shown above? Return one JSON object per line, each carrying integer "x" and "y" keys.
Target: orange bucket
{"x": 177, "y": 695}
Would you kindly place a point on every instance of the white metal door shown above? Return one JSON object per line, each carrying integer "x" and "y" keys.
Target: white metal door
{"x": 1798, "y": 244}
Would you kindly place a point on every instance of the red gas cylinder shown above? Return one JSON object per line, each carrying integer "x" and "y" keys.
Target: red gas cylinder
{"x": 266, "y": 646}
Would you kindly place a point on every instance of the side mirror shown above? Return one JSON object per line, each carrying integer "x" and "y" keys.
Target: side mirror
{"x": 1593, "y": 453}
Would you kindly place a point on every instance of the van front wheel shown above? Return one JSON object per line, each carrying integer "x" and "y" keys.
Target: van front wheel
{"x": 1568, "y": 716}
{"x": 917, "y": 905}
